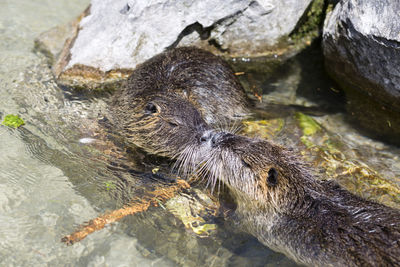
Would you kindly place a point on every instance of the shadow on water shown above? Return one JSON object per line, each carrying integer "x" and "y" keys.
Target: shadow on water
{"x": 315, "y": 85}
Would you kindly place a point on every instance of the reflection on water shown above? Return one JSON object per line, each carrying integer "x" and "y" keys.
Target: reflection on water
{"x": 51, "y": 182}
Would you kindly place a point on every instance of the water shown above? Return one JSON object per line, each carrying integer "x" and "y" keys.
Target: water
{"x": 38, "y": 202}
{"x": 51, "y": 182}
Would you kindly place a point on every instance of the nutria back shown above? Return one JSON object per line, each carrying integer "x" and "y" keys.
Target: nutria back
{"x": 190, "y": 81}
{"x": 314, "y": 222}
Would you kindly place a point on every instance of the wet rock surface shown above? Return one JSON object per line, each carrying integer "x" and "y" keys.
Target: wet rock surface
{"x": 362, "y": 50}
{"x": 114, "y": 36}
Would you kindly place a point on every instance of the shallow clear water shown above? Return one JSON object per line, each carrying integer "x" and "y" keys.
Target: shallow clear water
{"x": 38, "y": 202}
{"x": 50, "y": 182}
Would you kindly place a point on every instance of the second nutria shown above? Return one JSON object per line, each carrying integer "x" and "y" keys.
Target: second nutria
{"x": 315, "y": 222}
{"x": 167, "y": 90}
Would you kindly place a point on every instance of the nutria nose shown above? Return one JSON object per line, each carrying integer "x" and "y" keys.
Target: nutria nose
{"x": 215, "y": 138}
{"x": 207, "y": 136}
{"x": 211, "y": 137}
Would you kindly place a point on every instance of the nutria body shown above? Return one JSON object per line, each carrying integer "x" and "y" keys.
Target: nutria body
{"x": 314, "y": 222}
{"x": 174, "y": 92}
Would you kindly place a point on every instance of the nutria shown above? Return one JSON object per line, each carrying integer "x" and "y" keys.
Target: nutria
{"x": 166, "y": 107}
{"x": 171, "y": 88}
{"x": 315, "y": 222}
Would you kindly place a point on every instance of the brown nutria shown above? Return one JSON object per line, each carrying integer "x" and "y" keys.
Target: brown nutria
{"x": 315, "y": 222}
{"x": 153, "y": 107}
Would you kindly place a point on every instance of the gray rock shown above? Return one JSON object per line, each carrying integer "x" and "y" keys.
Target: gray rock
{"x": 55, "y": 43}
{"x": 361, "y": 44}
{"x": 119, "y": 34}
{"x": 51, "y": 42}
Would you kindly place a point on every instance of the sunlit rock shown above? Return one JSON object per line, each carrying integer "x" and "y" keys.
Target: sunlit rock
{"x": 117, "y": 35}
{"x": 361, "y": 44}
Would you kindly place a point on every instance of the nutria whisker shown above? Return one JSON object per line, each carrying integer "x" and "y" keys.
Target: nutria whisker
{"x": 184, "y": 161}
{"x": 228, "y": 126}
{"x": 211, "y": 174}
{"x": 236, "y": 127}
{"x": 221, "y": 125}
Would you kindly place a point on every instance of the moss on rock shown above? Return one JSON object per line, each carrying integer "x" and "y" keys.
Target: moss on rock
{"x": 310, "y": 25}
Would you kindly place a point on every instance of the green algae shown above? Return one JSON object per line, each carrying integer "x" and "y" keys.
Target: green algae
{"x": 13, "y": 121}
{"x": 304, "y": 139}
{"x": 155, "y": 170}
{"x": 193, "y": 214}
{"x": 204, "y": 229}
{"x": 332, "y": 157}
{"x": 110, "y": 185}
{"x": 262, "y": 128}
{"x": 307, "y": 124}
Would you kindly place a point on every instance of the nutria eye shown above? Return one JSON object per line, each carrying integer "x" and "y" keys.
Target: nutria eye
{"x": 245, "y": 164}
{"x": 272, "y": 179}
{"x": 173, "y": 124}
{"x": 150, "y": 108}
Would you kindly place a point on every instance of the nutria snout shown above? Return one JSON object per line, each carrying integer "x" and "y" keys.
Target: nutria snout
{"x": 314, "y": 222}
{"x": 213, "y": 138}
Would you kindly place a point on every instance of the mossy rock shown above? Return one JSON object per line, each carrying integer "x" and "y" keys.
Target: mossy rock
{"x": 310, "y": 25}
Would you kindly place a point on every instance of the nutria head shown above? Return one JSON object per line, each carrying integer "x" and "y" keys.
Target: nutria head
{"x": 160, "y": 124}
{"x": 253, "y": 169}
{"x": 175, "y": 84}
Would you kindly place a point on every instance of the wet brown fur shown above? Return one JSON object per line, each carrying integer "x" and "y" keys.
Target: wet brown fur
{"x": 314, "y": 222}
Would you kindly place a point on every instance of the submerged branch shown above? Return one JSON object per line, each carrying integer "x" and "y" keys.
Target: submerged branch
{"x": 153, "y": 198}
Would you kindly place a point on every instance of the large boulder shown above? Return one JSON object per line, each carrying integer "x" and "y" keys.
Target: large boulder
{"x": 361, "y": 44}
{"x": 116, "y": 35}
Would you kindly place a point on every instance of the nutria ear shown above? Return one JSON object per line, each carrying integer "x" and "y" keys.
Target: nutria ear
{"x": 272, "y": 178}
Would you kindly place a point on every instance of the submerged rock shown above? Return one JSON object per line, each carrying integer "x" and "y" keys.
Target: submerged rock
{"x": 361, "y": 44}
{"x": 115, "y": 36}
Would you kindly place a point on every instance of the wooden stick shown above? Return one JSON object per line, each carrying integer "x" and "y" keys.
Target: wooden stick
{"x": 152, "y": 199}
